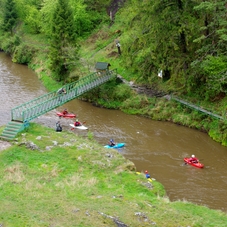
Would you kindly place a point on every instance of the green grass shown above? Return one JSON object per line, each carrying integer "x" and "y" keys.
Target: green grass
{"x": 80, "y": 183}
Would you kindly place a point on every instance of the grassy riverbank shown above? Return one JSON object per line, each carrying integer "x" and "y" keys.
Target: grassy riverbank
{"x": 61, "y": 179}
{"x": 116, "y": 95}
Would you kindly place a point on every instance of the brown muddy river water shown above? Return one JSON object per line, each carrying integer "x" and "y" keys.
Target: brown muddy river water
{"x": 158, "y": 147}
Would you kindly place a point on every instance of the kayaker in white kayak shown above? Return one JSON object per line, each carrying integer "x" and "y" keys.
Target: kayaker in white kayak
{"x": 193, "y": 159}
{"x": 77, "y": 123}
{"x": 112, "y": 143}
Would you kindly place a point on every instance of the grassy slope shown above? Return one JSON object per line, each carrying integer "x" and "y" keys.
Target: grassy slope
{"x": 68, "y": 180}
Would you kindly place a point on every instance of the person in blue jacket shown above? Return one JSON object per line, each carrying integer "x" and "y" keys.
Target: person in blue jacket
{"x": 147, "y": 174}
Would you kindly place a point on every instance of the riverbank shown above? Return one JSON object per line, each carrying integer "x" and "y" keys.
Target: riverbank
{"x": 148, "y": 98}
{"x": 61, "y": 179}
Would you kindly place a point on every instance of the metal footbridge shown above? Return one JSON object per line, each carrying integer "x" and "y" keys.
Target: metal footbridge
{"x": 21, "y": 115}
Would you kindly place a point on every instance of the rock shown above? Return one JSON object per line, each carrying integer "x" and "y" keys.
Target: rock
{"x": 31, "y": 145}
{"x": 55, "y": 143}
{"x": 48, "y": 148}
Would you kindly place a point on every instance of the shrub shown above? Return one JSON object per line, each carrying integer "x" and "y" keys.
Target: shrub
{"x": 23, "y": 54}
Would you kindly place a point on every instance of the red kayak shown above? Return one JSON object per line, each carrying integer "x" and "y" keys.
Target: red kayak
{"x": 68, "y": 115}
{"x": 196, "y": 164}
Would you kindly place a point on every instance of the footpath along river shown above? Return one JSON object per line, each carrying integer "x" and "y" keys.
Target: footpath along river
{"x": 158, "y": 147}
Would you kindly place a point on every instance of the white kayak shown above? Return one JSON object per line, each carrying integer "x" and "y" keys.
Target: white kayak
{"x": 79, "y": 127}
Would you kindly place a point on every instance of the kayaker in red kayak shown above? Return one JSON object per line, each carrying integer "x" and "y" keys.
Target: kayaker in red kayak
{"x": 65, "y": 112}
{"x": 193, "y": 159}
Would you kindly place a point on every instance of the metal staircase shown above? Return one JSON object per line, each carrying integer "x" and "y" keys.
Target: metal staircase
{"x": 21, "y": 115}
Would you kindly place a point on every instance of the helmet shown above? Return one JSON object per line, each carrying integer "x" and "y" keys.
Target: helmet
{"x": 77, "y": 120}
{"x": 193, "y": 156}
{"x": 146, "y": 171}
{"x": 111, "y": 140}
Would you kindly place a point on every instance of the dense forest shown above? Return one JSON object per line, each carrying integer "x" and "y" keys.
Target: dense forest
{"x": 184, "y": 42}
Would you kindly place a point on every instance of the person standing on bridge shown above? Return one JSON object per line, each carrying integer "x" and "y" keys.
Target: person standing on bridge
{"x": 60, "y": 92}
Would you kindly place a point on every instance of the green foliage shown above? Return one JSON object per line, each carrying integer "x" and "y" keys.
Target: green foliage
{"x": 122, "y": 92}
{"x": 49, "y": 83}
{"x": 33, "y": 20}
{"x": 138, "y": 102}
{"x": 10, "y": 16}
{"x": 78, "y": 177}
{"x": 161, "y": 40}
{"x": 63, "y": 51}
{"x": 214, "y": 68}
{"x": 9, "y": 43}
{"x": 110, "y": 94}
{"x": 82, "y": 19}
{"x": 23, "y": 54}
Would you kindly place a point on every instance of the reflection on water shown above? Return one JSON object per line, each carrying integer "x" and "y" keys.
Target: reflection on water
{"x": 158, "y": 147}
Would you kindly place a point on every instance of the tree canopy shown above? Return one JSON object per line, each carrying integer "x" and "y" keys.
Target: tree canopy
{"x": 185, "y": 39}
{"x": 9, "y": 16}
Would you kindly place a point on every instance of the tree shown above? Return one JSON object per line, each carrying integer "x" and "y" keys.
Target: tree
{"x": 165, "y": 41}
{"x": 10, "y": 16}
{"x": 209, "y": 62}
{"x": 64, "y": 50}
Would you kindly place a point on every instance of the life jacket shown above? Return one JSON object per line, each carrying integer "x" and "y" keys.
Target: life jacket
{"x": 77, "y": 123}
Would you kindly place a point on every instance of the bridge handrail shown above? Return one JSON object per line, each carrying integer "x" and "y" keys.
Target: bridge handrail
{"x": 198, "y": 108}
{"x": 26, "y": 111}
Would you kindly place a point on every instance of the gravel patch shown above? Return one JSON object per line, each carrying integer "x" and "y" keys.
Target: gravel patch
{"x": 4, "y": 145}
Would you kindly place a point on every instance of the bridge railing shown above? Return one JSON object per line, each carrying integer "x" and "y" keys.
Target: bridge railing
{"x": 199, "y": 108}
{"x": 50, "y": 101}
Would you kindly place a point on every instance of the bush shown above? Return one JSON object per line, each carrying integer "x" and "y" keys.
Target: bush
{"x": 9, "y": 43}
{"x": 23, "y": 54}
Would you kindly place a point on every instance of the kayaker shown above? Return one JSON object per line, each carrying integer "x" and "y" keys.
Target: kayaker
{"x": 193, "y": 159}
{"x": 77, "y": 123}
{"x": 58, "y": 127}
{"x": 112, "y": 143}
{"x": 147, "y": 174}
{"x": 65, "y": 112}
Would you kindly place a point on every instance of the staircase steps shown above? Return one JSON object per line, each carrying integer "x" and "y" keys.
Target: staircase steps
{"x": 11, "y": 130}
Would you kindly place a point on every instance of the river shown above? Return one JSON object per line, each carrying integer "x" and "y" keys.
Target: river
{"x": 158, "y": 147}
